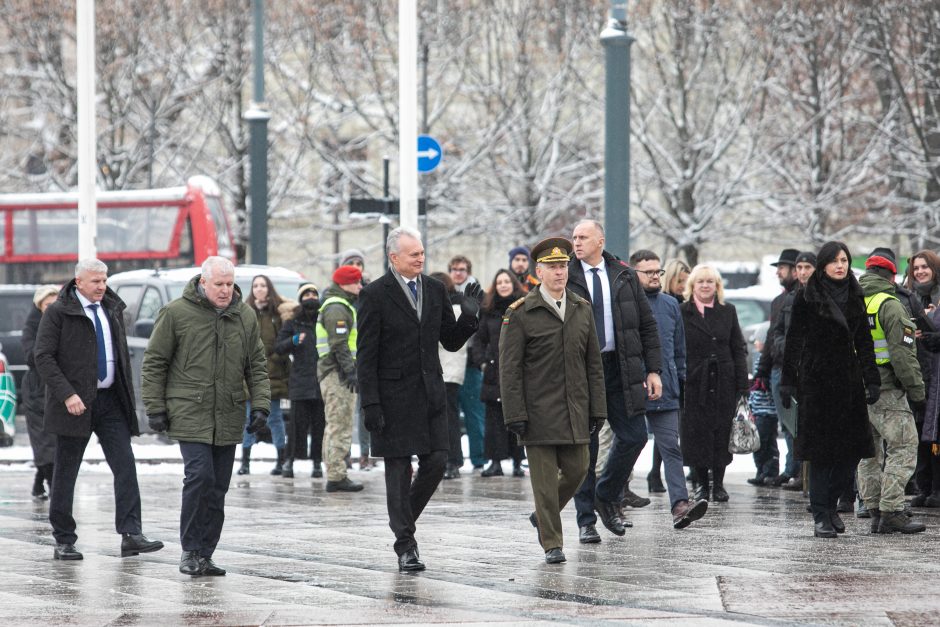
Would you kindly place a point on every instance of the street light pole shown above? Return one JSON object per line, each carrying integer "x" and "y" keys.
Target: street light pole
{"x": 617, "y": 41}
{"x": 87, "y": 162}
{"x": 257, "y": 116}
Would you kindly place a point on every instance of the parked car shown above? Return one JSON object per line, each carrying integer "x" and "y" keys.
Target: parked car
{"x": 146, "y": 291}
{"x": 15, "y": 304}
{"x": 7, "y": 403}
{"x": 753, "y": 307}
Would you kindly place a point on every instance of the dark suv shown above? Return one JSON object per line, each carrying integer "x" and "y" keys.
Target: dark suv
{"x": 15, "y": 304}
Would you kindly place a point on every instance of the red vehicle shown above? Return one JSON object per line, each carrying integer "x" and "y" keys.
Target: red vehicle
{"x": 171, "y": 227}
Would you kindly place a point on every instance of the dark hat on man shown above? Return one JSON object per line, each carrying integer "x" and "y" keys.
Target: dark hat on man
{"x": 351, "y": 255}
{"x": 552, "y": 250}
{"x": 882, "y": 258}
{"x": 787, "y": 257}
{"x": 807, "y": 257}
{"x": 347, "y": 275}
{"x": 518, "y": 250}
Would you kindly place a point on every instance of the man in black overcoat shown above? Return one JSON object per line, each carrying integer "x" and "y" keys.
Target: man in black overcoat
{"x": 81, "y": 354}
{"x": 402, "y": 318}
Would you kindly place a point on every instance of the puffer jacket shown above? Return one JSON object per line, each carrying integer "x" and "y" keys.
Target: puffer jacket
{"x": 296, "y": 321}
{"x": 202, "y": 365}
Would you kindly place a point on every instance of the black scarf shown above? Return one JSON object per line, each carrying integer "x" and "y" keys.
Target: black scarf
{"x": 838, "y": 290}
{"x": 502, "y": 303}
{"x": 925, "y": 291}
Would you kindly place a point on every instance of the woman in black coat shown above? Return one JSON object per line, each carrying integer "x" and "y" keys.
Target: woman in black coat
{"x": 829, "y": 368}
{"x": 298, "y": 337}
{"x": 498, "y": 442}
{"x": 34, "y": 396}
{"x": 717, "y": 378}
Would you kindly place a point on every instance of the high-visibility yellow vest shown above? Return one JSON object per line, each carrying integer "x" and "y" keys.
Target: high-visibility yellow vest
{"x": 323, "y": 338}
{"x": 873, "y": 304}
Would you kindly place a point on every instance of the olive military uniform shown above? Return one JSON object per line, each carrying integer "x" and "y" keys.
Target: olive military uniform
{"x": 551, "y": 378}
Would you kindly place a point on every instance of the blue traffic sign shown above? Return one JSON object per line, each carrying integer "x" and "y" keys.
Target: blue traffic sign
{"x": 429, "y": 153}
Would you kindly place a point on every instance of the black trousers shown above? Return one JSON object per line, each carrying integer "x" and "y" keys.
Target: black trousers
{"x": 109, "y": 423}
{"x": 827, "y": 482}
{"x": 307, "y": 418}
{"x": 207, "y": 472}
{"x": 452, "y": 407}
{"x": 406, "y": 498}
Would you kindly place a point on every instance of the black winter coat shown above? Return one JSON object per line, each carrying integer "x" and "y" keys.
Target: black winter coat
{"x": 303, "y": 384}
{"x": 34, "y": 392}
{"x": 484, "y": 349}
{"x": 830, "y": 358}
{"x": 635, "y": 331}
{"x": 66, "y": 356}
{"x": 399, "y": 366}
{"x": 716, "y": 362}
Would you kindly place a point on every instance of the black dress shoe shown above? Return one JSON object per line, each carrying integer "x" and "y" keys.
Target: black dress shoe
{"x": 554, "y": 556}
{"x": 719, "y": 494}
{"x": 837, "y": 522}
{"x": 608, "y": 515}
{"x": 134, "y": 543}
{"x": 495, "y": 469}
{"x": 451, "y": 472}
{"x": 824, "y": 529}
{"x": 66, "y": 552}
{"x": 535, "y": 523}
{"x": 589, "y": 535}
{"x": 191, "y": 563}
{"x": 758, "y": 480}
{"x": 701, "y": 493}
{"x": 209, "y": 568}
{"x": 409, "y": 562}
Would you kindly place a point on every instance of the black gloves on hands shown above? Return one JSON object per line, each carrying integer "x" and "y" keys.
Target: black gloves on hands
{"x": 472, "y": 297}
{"x": 351, "y": 381}
{"x": 872, "y": 393}
{"x": 918, "y": 407}
{"x": 787, "y": 394}
{"x": 259, "y": 418}
{"x": 372, "y": 416}
{"x": 596, "y": 425}
{"x": 519, "y": 427}
{"x": 158, "y": 422}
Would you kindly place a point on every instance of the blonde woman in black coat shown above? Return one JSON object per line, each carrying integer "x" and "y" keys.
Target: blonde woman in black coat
{"x": 716, "y": 360}
{"x": 829, "y": 368}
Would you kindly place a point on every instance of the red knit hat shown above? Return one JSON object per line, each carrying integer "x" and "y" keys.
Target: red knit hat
{"x": 347, "y": 275}
{"x": 882, "y": 258}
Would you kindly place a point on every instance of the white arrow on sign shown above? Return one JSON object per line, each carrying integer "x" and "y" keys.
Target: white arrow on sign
{"x": 430, "y": 153}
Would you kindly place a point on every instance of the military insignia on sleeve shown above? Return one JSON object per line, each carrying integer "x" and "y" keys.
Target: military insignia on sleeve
{"x": 908, "y": 336}
{"x": 340, "y": 327}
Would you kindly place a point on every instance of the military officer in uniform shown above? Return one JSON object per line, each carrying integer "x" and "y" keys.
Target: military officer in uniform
{"x": 552, "y": 385}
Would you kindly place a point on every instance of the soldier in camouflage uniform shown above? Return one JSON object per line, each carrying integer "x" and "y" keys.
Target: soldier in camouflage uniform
{"x": 336, "y": 370}
{"x": 902, "y": 388}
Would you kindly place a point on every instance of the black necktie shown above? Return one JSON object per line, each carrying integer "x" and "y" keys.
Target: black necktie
{"x": 598, "y": 305}
{"x": 102, "y": 351}
{"x": 558, "y": 304}
{"x": 414, "y": 290}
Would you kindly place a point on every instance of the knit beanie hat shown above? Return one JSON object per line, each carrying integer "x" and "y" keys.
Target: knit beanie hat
{"x": 347, "y": 275}
{"x": 306, "y": 287}
{"x": 518, "y": 250}
{"x": 882, "y": 258}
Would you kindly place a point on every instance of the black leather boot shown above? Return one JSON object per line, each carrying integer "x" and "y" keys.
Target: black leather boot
{"x": 495, "y": 470}
{"x": 246, "y": 461}
{"x": 317, "y": 472}
{"x": 288, "y": 472}
{"x": 279, "y": 464}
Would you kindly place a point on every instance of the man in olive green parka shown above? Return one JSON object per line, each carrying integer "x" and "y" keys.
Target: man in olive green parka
{"x": 204, "y": 360}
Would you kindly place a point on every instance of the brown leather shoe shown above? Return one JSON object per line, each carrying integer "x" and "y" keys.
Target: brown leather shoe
{"x": 685, "y": 513}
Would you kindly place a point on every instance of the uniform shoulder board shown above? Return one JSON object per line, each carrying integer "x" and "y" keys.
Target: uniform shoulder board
{"x": 517, "y": 303}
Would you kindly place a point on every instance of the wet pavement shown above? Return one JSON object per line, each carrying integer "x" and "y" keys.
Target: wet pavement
{"x": 297, "y": 555}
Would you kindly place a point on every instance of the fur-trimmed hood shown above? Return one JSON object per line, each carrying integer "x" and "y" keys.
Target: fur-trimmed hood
{"x": 288, "y": 309}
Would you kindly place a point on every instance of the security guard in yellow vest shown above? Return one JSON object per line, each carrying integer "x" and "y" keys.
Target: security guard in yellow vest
{"x": 336, "y": 371}
{"x": 902, "y": 388}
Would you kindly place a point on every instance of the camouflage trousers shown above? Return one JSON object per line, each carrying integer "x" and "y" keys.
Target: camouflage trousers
{"x": 892, "y": 424}
{"x": 338, "y": 404}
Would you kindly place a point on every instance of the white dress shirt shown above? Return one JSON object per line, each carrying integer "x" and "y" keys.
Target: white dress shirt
{"x": 605, "y": 289}
{"x": 106, "y": 329}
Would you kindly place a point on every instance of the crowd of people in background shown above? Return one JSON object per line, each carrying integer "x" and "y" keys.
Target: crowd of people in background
{"x": 563, "y": 362}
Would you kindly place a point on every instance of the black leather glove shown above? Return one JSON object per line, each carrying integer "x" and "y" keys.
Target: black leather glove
{"x": 519, "y": 427}
{"x": 372, "y": 416}
{"x": 872, "y": 393}
{"x": 259, "y": 418}
{"x": 158, "y": 422}
{"x": 787, "y": 393}
{"x": 596, "y": 425}
{"x": 351, "y": 381}
{"x": 918, "y": 407}
{"x": 472, "y": 297}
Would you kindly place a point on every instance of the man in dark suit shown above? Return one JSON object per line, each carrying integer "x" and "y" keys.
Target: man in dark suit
{"x": 402, "y": 318}
{"x": 81, "y": 354}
